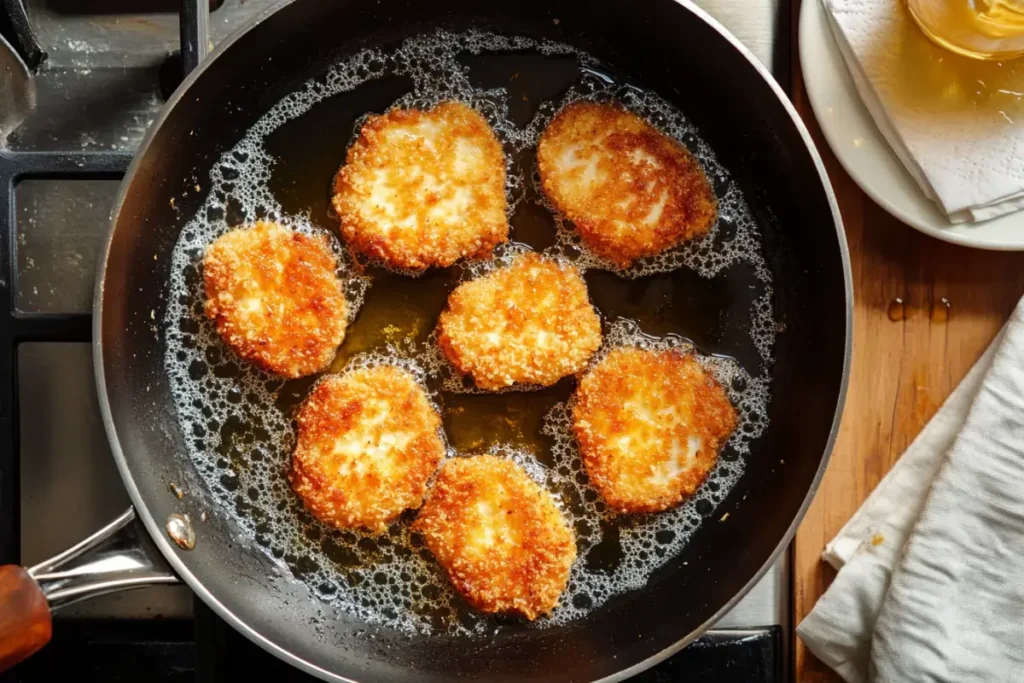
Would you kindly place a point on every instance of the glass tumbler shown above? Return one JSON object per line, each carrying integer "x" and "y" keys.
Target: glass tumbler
{"x": 983, "y": 29}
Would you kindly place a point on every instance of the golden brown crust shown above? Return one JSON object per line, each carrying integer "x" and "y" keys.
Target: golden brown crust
{"x": 423, "y": 188}
{"x": 528, "y": 323}
{"x": 499, "y": 535}
{"x": 367, "y": 444}
{"x": 649, "y": 425}
{"x": 275, "y": 298}
{"x": 630, "y": 190}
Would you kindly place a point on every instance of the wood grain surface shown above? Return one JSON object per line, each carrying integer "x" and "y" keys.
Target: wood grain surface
{"x": 902, "y": 371}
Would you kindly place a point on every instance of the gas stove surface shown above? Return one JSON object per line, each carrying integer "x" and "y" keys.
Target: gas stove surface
{"x": 106, "y": 75}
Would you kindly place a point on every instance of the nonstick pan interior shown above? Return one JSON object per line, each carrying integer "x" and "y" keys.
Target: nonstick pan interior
{"x": 661, "y": 46}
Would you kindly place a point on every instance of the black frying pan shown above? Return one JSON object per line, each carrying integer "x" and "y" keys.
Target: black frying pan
{"x": 666, "y": 46}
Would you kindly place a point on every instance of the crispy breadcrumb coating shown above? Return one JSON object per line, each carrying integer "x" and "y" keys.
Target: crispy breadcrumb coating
{"x": 423, "y": 188}
{"x": 367, "y": 444}
{"x": 499, "y": 535}
{"x": 528, "y": 323}
{"x": 275, "y": 298}
{"x": 649, "y": 425}
{"x": 630, "y": 190}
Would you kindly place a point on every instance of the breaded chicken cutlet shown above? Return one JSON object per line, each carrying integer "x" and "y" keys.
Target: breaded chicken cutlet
{"x": 367, "y": 444}
{"x": 528, "y": 323}
{"x": 649, "y": 425}
{"x": 275, "y": 298}
{"x": 423, "y": 188}
{"x": 630, "y": 190}
{"x": 499, "y": 535}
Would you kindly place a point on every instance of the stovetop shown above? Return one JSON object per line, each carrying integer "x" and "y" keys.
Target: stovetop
{"x": 106, "y": 74}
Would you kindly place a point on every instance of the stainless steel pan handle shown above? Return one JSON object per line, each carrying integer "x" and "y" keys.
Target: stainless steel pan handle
{"x": 112, "y": 559}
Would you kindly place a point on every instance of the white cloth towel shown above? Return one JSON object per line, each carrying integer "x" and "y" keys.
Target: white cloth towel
{"x": 956, "y": 123}
{"x": 931, "y": 568}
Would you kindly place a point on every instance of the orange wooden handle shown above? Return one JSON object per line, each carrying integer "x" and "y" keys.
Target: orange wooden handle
{"x": 25, "y": 624}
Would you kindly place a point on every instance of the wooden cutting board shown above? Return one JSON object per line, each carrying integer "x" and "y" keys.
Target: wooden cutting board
{"x": 955, "y": 299}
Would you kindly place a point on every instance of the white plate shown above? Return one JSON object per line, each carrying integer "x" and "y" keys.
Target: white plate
{"x": 865, "y": 154}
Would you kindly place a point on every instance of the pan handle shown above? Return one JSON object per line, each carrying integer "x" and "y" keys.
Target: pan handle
{"x": 112, "y": 559}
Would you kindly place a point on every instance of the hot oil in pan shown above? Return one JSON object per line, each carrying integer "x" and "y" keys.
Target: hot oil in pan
{"x": 715, "y": 294}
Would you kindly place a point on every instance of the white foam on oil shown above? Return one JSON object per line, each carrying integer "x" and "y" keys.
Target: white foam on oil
{"x": 238, "y": 421}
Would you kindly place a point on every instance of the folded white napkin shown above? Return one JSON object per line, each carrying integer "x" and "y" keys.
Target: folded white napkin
{"x": 931, "y": 568}
{"x": 956, "y": 123}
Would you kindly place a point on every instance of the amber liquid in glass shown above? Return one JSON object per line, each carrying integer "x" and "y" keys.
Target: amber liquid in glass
{"x": 983, "y": 29}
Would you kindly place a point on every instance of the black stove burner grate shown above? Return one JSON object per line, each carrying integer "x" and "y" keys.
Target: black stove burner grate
{"x": 20, "y": 327}
{"x": 202, "y": 649}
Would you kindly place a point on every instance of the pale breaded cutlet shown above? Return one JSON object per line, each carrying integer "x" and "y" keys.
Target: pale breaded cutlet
{"x": 528, "y": 323}
{"x": 423, "y": 188}
{"x": 275, "y": 298}
{"x": 499, "y": 535}
{"x": 649, "y": 426}
{"x": 368, "y": 441}
{"x": 630, "y": 190}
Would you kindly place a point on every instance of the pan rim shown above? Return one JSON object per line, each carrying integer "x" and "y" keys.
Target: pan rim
{"x": 169, "y": 551}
